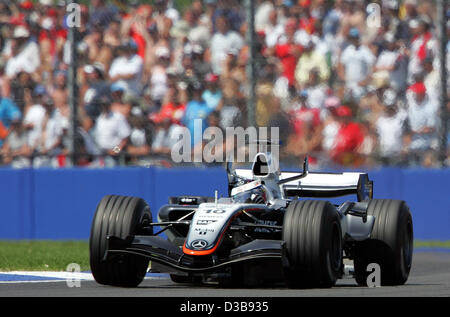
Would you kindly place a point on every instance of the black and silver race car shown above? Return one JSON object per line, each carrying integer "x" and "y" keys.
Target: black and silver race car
{"x": 274, "y": 227}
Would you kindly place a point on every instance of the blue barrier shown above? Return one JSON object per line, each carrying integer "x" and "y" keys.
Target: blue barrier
{"x": 60, "y": 204}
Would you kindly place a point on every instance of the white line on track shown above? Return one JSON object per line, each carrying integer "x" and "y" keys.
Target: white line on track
{"x": 49, "y": 276}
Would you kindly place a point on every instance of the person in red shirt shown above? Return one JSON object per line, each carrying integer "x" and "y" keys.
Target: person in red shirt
{"x": 302, "y": 116}
{"x": 307, "y": 21}
{"x": 307, "y": 127}
{"x": 348, "y": 139}
{"x": 172, "y": 108}
{"x": 288, "y": 51}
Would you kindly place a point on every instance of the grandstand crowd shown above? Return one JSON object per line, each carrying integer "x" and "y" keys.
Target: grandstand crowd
{"x": 347, "y": 87}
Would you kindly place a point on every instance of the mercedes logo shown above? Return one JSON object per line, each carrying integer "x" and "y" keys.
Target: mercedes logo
{"x": 199, "y": 244}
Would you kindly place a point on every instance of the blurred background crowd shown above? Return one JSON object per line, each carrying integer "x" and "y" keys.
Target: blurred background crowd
{"x": 342, "y": 90}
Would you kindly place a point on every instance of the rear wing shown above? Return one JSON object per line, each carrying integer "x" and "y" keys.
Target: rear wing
{"x": 313, "y": 184}
{"x": 328, "y": 185}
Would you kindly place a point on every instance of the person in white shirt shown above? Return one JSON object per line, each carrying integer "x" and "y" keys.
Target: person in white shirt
{"x": 431, "y": 79}
{"x": 392, "y": 63}
{"x": 24, "y": 53}
{"x": 222, "y": 42}
{"x": 51, "y": 141}
{"x": 422, "y": 122}
{"x": 34, "y": 118}
{"x": 262, "y": 15}
{"x": 390, "y": 128}
{"x": 127, "y": 68}
{"x": 355, "y": 65}
{"x": 111, "y": 131}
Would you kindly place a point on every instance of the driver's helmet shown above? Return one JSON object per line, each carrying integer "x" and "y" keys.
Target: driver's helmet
{"x": 254, "y": 196}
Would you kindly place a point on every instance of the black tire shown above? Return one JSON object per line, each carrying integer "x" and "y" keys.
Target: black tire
{"x": 313, "y": 236}
{"x": 120, "y": 216}
{"x": 390, "y": 244}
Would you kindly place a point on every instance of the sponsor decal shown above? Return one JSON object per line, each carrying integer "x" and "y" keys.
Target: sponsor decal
{"x": 199, "y": 244}
{"x": 246, "y": 187}
{"x": 204, "y": 222}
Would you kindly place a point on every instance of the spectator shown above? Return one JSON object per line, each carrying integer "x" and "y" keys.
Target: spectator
{"x": 306, "y": 124}
{"x": 422, "y": 122}
{"x": 15, "y": 150}
{"x": 422, "y": 43}
{"x": 166, "y": 134}
{"x": 331, "y": 124}
{"x": 279, "y": 119}
{"x": 309, "y": 60}
{"x": 34, "y": 118}
{"x": 212, "y": 93}
{"x": 231, "y": 106}
{"x": 431, "y": 79}
{"x": 87, "y": 148}
{"x": 287, "y": 50}
{"x": 127, "y": 68}
{"x": 111, "y": 132}
{"x": 173, "y": 107}
{"x": 102, "y": 13}
{"x": 196, "y": 109}
{"x": 23, "y": 54}
{"x": 119, "y": 102}
{"x": 8, "y": 113}
{"x": 390, "y": 127}
{"x": 349, "y": 138}
{"x": 158, "y": 77}
{"x": 222, "y": 42}
{"x": 147, "y": 59}
{"x": 303, "y": 118}
{"x": 355, "y": 64}
{"x": 97, "y": 88}
{"x": 51, "y": 142}
{"x": 163, "y": 8}
{"x": 21, "y": 88}
{"x": 140, "y": 142}
{"x": 201, "y": 67}
{"x": 210, "y": 148}
{"x": 273, "y": 30}
{"x": 392, "y": 63}
{"x": 317, "y": 90}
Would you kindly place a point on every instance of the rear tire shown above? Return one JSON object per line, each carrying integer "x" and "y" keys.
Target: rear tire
{"x": 313, "y": 236}
{"x": 390, "y": 244}
{"x": 119, "y": 216}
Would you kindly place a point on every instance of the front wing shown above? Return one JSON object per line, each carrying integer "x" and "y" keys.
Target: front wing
{"x": 163, "y": 252}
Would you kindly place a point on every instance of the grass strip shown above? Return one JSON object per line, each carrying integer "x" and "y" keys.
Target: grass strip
{"x": 43, "y": 255}
{"x": 431, "y": 244}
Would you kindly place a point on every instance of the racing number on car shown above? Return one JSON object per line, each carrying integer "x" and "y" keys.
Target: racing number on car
{"x": 215, "y": 211}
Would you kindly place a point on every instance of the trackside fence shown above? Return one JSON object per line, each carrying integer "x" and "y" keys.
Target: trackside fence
{"x": 59, "y": 204}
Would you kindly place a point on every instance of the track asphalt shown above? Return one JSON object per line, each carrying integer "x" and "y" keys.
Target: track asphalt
{"x": 430, "y": 276}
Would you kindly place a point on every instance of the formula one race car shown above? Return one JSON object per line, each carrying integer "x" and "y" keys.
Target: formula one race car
{"x": 264, "y": 232}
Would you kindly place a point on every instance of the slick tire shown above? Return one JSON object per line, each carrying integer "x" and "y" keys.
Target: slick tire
{"x": 313, "y": 240}
{"x": 390, "y": 244}
{"x": 119, "y": 216}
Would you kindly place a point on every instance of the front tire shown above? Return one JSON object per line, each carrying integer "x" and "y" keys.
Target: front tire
{"x": 390, "y": 244}
{"x": 313, "y": 236}
{"x": 119, "y": 216}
